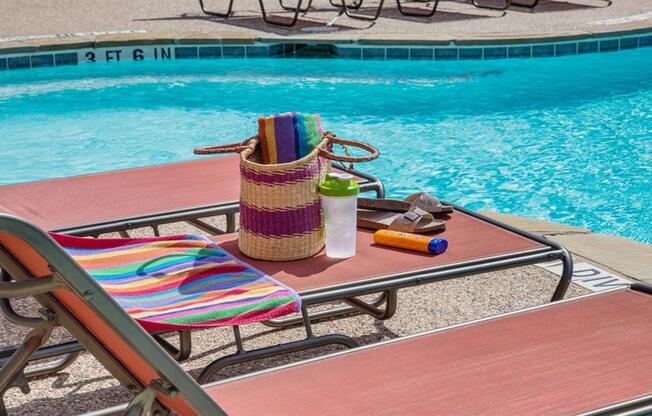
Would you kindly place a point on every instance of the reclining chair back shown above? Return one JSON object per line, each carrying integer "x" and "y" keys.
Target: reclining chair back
{"x": 72, "y": 299}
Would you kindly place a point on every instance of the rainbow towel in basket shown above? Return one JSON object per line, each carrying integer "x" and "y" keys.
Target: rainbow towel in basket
{"x": 180, "y": 282}
{"x": 288, "y": 137}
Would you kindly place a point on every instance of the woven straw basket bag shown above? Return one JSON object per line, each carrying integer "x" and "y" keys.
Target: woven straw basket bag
{"x": 280, "y": 208}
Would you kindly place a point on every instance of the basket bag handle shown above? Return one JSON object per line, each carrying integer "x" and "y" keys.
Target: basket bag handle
{"x": 328, "y": 153}
{"x": 325, "y": 151}
{"x": 249, "y": 143}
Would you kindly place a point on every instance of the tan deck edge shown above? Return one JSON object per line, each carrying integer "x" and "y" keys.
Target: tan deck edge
{"x": 460, "y": 39}
{"x": 622, "y": 255}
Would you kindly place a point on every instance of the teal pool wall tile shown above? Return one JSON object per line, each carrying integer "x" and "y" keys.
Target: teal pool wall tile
{"x": 397, "y": 53}
{"x": 42, "y": 60}
{"x": 66, "y": 58}
{"x": 520, "y": 51}
{"x": 587, "y": 47}
{"x": 446, "y": 54}
{"x": 563, "y": 49}
{"x": 543, "y": 50}
{"x": 210, "y": 52}
{"x": 609, "y": 45}
{"x": 18, "y": 62}
{"x": 185, "y": 52}
{"x": 645, "y": 41}
{"x": 470, "y": 53}
{"x": 277, "y": 49}
{"x": 629, "y": 43}
{"x": 349, "y": 53}
{"x": 421, "y": 53}
{"x": 257, "y": 51}
{"x": 233, "y": 51}
{"x": 495, "y": 53}
{"x": 373, "y": 53}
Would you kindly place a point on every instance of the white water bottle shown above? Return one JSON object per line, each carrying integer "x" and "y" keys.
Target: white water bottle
{"x": 339, "y": 196}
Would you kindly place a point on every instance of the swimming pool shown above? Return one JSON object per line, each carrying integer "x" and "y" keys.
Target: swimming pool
{"x": 566, "y": 139}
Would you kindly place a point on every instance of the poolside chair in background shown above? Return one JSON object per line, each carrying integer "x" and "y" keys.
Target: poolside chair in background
{"x": 346, "y": 9}
{"x": 293, "y": 21}
{"x": 556, "y": 359}
{"x": 506, "y": 4}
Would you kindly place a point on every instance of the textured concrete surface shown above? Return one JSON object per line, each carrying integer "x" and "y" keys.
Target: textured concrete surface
{"x": 627, "y": 257}
{"x": 536, "y": 226}
{"x": 86, "y": 386}
{"x": 31, "y": 17}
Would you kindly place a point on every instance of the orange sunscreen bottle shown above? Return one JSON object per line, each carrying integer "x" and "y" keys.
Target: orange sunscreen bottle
{"x": 410, "y": 241}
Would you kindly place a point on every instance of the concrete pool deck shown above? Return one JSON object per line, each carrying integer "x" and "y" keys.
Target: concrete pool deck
{"x": 175, "y": 20}
{"x": 629, "y": 258}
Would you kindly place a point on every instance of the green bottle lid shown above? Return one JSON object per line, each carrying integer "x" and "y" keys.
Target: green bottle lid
{"x": 339, "y": 184}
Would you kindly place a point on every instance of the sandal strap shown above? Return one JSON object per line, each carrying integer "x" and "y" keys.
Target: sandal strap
{"x": 424, "y": 201}
{"x": 380, "y": 204}
{"x": 409, "y": 221}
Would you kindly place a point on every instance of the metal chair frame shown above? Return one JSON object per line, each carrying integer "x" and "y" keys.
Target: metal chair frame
{"x": 266, "y": 17}
{"x": 356, "y": 6}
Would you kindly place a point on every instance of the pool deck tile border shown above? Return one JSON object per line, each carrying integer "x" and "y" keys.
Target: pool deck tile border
{"x": 210, "y": 52}
{"x": 186, "y": 52}
{"x": 30, "y": 53}
{"x": 67, "y": 58}
{"x": 588, "y": 47}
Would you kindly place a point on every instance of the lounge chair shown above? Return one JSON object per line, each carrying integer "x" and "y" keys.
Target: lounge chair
{"x": 531, "y": 5}
{"x": 589, "y": 354}
{"x": 140, "y": 197}
{"x": 293, "y": 21}
{"x": 478, "y": 245}
{"x": 346, "y": 9}
{"x": 120, "y": 200}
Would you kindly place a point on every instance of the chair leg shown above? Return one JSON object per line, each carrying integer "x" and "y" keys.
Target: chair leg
{"x": 505, "y": 6}
{"x": 428, "y": 13}
{"x": 291, "y": 9}
{"x": 294, "y": 20}
{"x": 359, "y": 16}
{"x": 242, "y": 356}
{"x": 12, "y": 372}
{"x": 245, "y": 356}
{"x": 217, "y": 14}
{"x": 534, "y": 3}
{"x": 353, "y": 6}
{"x": 566, "y": 276}
{"x": 530, "y": 5}
{"x": 185, "y": 345}
{"x": 354, "y": 307}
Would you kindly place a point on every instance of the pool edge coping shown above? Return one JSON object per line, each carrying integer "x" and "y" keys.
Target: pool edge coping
{"x": 74, "y": 42}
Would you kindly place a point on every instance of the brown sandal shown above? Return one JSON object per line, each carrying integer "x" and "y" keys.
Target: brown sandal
{"x": 420, "y": 200}
{"x": 415, "y": 220}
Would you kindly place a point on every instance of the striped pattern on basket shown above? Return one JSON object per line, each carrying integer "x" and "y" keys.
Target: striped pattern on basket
{"x": 180, "y": 282}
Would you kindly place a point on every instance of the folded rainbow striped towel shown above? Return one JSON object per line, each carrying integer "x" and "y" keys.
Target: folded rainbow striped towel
{"x": 180, "y": 282}
{"x": 289, "y": 136}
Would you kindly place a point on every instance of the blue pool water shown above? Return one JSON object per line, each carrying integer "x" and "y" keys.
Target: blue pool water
{"x": 566, "y": 139}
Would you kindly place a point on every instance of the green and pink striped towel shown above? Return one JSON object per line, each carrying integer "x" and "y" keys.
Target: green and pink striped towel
{"x": 180, "y": 282}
